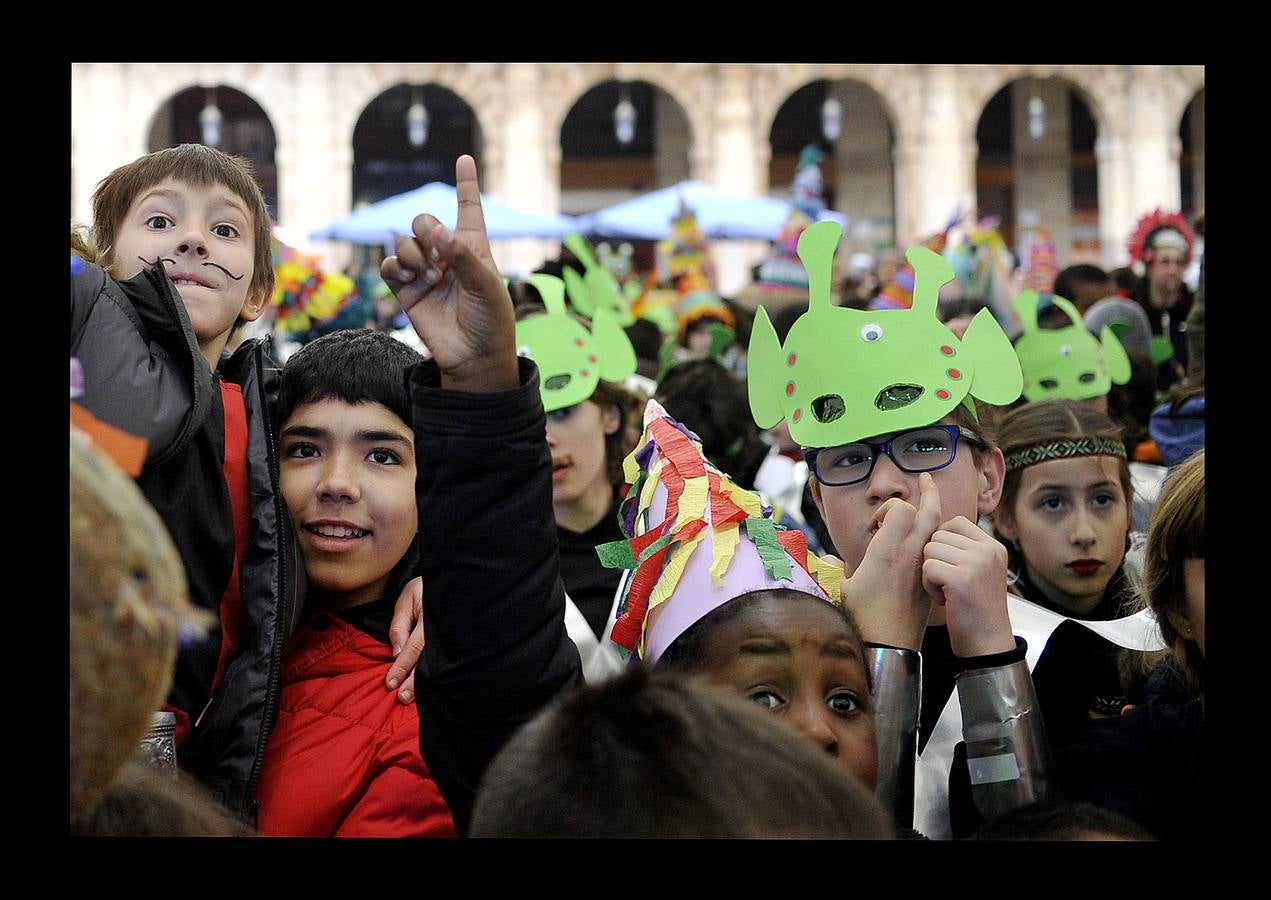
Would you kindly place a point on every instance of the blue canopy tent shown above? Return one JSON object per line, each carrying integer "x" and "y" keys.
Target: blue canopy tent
{"x": 383, "y": 222}
{"x": 720, "y": 214}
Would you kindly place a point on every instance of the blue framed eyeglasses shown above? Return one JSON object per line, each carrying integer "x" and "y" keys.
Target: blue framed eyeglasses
{"x": 921, "y": 450}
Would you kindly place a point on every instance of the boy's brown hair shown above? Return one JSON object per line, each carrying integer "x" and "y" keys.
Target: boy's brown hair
{"x": 195, "y": 164}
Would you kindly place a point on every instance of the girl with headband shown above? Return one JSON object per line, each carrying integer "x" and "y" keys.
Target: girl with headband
{"x": 1064, "y": 517}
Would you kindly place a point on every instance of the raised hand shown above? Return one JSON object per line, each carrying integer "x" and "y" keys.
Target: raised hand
{"x": 886, "y": 593}
{"x": 965, "y": 571}
{"x": 450, "y": 289}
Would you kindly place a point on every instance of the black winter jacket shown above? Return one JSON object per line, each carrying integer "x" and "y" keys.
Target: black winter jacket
{"x": 144, "y": 373}
{"x": 496, "y": 647}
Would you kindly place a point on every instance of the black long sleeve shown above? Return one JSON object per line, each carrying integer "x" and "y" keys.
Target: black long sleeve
{"x": 496, "y": 647}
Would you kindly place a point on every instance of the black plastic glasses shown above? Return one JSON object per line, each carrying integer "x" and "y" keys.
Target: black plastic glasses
{"x": 921, "y": 450}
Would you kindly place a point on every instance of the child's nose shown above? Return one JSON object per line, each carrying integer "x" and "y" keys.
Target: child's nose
{"x": 338, "y": 483}
{"x": 192, "y": 243}
{"x": 887, "y": 480}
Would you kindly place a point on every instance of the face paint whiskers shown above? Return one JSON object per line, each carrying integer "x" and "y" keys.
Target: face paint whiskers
{"x": 225, "y": 270}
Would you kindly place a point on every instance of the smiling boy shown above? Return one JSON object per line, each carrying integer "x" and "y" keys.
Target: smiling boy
{"x": 343, "y": 759}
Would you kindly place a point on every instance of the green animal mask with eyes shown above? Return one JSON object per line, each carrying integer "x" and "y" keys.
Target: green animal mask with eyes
{"x": 597, "y": 289}
{"x": 846, "y": 374}
{"x": 571, "y": 360}
{"x": 1066, "y": 363}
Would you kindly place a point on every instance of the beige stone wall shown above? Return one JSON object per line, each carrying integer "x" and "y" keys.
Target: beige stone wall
{"x": 911, "y": 179}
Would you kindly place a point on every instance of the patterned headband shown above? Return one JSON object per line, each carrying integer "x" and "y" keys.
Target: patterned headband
{"x": 1030, "y": 456}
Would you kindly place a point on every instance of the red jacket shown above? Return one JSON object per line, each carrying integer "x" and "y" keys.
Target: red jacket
{"x": 343, "y": 759}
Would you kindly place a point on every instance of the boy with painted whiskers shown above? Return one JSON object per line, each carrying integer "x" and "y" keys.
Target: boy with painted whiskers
{"x": 881, "y": 400}
{"x": 179, "y": 258}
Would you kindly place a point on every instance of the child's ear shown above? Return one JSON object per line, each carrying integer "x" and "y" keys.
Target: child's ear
{"x": 255, "y": 304}
{"x": 613, "y": 419}
{"x": 992, "y": 477}
{"x": 1181, "y": 624}
{"x": 1004, "y": 524}
{"x": 816, "y": 494}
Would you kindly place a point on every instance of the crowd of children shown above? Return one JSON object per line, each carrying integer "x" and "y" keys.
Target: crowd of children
{"x": 425, "y": 591}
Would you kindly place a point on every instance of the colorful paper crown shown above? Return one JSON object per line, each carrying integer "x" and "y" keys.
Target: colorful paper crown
{"x": 694, "y": 541}
{"x": 1042, "y": 264}
{"x": 596, "y": 288}
{"x": 1066, "y": 363}
{"x": 1158, "y": 229}
{"x": 783, "y": 272}
{"x": 571, "y": 360}
{"x": 846, "y": 374}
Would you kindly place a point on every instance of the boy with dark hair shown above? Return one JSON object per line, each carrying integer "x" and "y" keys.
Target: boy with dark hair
{"x": 343, "y": 758}
{"x": 665, "y": 756}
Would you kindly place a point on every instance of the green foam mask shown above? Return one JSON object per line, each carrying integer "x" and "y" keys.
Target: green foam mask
{"x": 571, "y": 360}
{"x": 1066, "y": 363}
{"x": 843, "y": 375}
{"x": 595, "y": 289}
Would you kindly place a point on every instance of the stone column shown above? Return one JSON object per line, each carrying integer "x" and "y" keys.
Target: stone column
{"x": 935, "y": 160}
{"x": 1138, "y": 163}
{"x": 865, "y": 168}
{"x": 519, "y": 168}
{"x": 1043, "y": 166}
{"x": 737, "y": 167}
{"x": 314, "y": 158}
{"x": 672, "y": 141}
{"x": 100, "y": 142}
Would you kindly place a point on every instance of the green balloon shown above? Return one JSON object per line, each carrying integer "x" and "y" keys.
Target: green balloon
{"x": 571, "y": 360}
{"x": 1066, "y": 363}
{"x": 846, "y": 374}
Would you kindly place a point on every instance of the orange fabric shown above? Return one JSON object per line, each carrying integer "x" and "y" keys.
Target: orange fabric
{"x": 127, "y": 450}
{"x": 240, "y": 508}
{"x": 1147, "y": 452}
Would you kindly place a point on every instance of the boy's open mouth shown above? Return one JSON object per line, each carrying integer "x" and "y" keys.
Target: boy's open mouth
{"x": 336, "y": 531}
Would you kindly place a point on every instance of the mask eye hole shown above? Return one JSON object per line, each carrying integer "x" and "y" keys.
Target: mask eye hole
{"x": 827, "y": 407}
{"x": 897, "y": 395}
{"x": 556, "y": 382}
{"x": 1049, "y": 383}
{"x": 871, "y": 332}
{"x": 1086, "y": 377}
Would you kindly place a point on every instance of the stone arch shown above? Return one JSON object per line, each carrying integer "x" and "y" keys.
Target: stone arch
{"x": 661, "y": 153}
{"x": 384, "y": 161}
{"x": 246, "y": 130}
{"x": 1191, "y": 134}
{"x": 1015, "y": 178}
{"x": 981, "y": 83}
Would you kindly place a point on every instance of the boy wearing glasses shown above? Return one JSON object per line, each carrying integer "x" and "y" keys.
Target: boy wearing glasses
{"x": 901, "y": 473}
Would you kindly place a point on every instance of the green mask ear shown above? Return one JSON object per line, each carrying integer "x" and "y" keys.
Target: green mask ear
{"x": 1114, "y": 356}
{"x": 552, "y": 290}
{"x": 613, "y": 347}
{"x": 1025, "y": 304}
{"x": 998, "y": 379}
{"x": 931, "y": 272}
{"x": 763, "y": 372}
{"x": 816, "y": 251}
{"x": 576, "y": 288}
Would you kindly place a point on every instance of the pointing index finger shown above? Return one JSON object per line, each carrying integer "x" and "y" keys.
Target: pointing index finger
{"x": 471, "y": 216}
